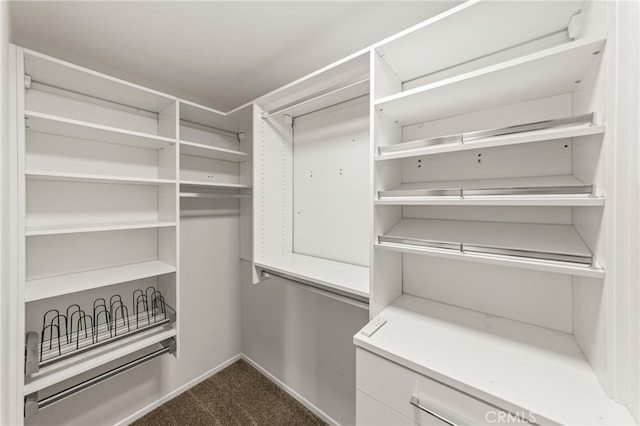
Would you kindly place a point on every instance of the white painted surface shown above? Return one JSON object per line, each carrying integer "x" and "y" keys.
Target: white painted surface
{"x": 7, "y": 405}
{"x": 304, "y": 340}
{"x": 330, "y": 182}
{"x": 370, "y": 412}
{"x": 547, "y": 73}
{"x": 492, "y": 358}
{"x": 512, "y": 293}
{"x": 98, "y": 35}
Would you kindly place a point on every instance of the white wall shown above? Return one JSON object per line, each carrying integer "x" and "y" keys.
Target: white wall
{"x": 4, "y": 120}
{"x": 305, "y": 340}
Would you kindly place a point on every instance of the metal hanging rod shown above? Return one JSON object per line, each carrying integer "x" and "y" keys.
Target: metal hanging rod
{"x": 211, "y": 195}
{"x": 542, "y": 37}
{"x": 481, "y": 134}
{"x": 206, "y": 127}
{"x": 351, "y": 299}
{"x": 317, "y": 97}
{"x": 463, "y": 248}
{"x": 82, "y": 96}
{"x": 32, "y": 404}
{"x": 583, "y": 190}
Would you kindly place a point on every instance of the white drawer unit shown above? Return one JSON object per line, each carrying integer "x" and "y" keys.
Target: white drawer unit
{"x": 423, "y": 400}
{"x": 374, "y": 413}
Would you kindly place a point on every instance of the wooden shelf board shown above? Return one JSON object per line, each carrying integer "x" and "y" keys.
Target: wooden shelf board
{"x": 206, "y": 151}
{"x": 471, "y": 30}
{"x": 43, "y": 288}
{"x": 513, "y": 365}
{"x": 522, "y": 200}
{"x": 214, "y": 184}
{"x": 505, "y": 140}
{"x": 71, "y": 367}
{"x": 549, "y": 72}
{"x": 94, "y": 227}
{"x": 344, "y": 277}
{"x": 52, "y": 124}
{"x": 54, "y": 72}
{"x": 519, "y": 236}
{"x": 87, "y": 177}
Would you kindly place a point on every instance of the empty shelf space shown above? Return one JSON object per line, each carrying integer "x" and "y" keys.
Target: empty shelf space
{"x": 62, "y": 75}
{"x": 206, "y": 151}
{"x": 530, "y": 191}
{"x": 86, "y": 177}
{"x": 81, "y": 363}
{"x": 43, "y": 288}
{"x": 51, "y": 124}
{"x": 475, "y": 140}
{"x": 546, "y": 73}
{"x": 336, "y": 276}
{"x": 493, "y": 358}
{"x": 472, "y": 30}
{"x": 554, "y": 248}
{"x": 94, "y": 227}
{"x": 219, "y": 185}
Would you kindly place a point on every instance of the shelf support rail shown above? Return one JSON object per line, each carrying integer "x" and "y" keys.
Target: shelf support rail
{"x": 482, "y": 250}
{"x": 357, "y": 301}
{"x": 32, "y": 404}
{"x": 461, "y": 138}
{"x": 576, "y": 190}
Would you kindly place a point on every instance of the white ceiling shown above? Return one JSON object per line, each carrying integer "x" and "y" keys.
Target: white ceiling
{"x": 218, "y": 53}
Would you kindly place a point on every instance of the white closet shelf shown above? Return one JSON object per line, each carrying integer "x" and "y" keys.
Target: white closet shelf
{"x": 206, "y": 151}
{"x": 410, "y": 149}
{"x": 218, "y": 185}
{"x": 63, "y": 75}
{"x": 553, "y": 248}
{"x": 81, "y": 363}
{"x": 527, "y": 191}
{"x": 472, "y": 30}
{"x": 94, "y": 227}
{"x": 46, "y": 123}
{"x": 88, "y": 177}
{"x": 517, "y": 366}
{"x": 334, "y": 275}
{"x": 546, "y": 73}
{"x": 42, "y": 288}
{"x": 212, "y": 195}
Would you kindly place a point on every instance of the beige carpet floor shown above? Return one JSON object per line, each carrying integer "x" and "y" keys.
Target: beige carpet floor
{"x": 238, "y": 395}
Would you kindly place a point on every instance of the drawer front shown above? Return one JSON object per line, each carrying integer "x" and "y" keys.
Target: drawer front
{"x": 421, "y": 399}
{"x": 370, "y": 412}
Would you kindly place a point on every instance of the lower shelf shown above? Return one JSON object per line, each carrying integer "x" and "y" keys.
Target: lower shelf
{"x": 343, "y": 278}
{"x": 517, "y": 366}
{"x": 71, "y": 367}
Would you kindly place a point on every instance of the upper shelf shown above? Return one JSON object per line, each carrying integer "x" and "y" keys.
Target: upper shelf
{"x": 94, "y": 227}
{"x": 472, "y": 30}
{"x": 88, "y": 177}
{"x": 554, "y": 248}
{"x": 206, "y": 151}
{"x": 527, "y": 191}
{"x": 46, "y": 123}
{"x": 218, "y": 185}
{"x": 63, "y": 75}
{"x": 469, "y": 351}
{"x": 550, "y": 72}
{"x": 552, "y": 130}
{"x": 344, "y": 278}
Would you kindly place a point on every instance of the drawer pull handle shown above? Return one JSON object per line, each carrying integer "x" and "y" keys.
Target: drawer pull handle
{"x": 416, "y": 402}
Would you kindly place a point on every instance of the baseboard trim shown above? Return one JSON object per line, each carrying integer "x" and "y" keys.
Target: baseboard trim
{"x": 310, "y": 406}
{"x": 135, "y": 416}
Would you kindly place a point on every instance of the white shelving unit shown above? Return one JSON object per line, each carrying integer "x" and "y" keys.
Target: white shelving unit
{"x": 490, "y": 188}
{"x": 311, "y": 196}
{"x": 98, "y": 201}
